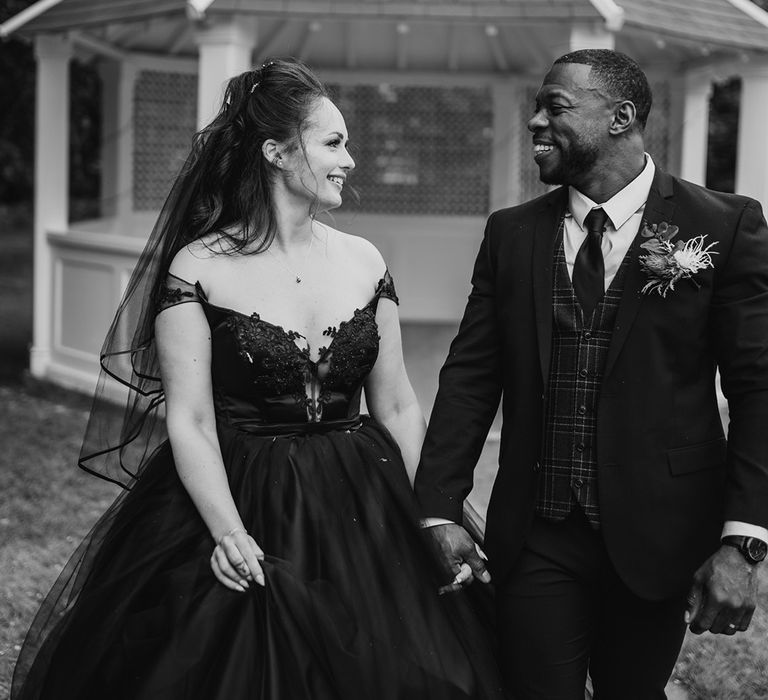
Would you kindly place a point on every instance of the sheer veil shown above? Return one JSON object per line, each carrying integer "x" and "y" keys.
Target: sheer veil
{"x": 126, "y": 423}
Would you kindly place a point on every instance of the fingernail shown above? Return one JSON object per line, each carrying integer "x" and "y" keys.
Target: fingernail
{"x": 485, "y": 577}
{"x": 260, "y": 579}
{"x": 687, "y": 617}
{"x": 243, "y": 583}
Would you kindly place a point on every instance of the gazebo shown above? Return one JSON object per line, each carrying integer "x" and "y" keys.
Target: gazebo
{"x": 436, "y": 94}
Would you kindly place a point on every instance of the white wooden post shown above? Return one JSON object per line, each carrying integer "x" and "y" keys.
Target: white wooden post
{"x": 224, "y": 51}
{"x": 51, "y": 200}
{"x": 118, "y": 80}
{"x": 675, "y": 123}
{"x": 593, "y": 35}
{"x": 695, "y": 127}
{"x": 752, "y": 155}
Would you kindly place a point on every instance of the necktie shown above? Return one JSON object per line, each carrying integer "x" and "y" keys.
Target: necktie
{"x": 589, "y": 269}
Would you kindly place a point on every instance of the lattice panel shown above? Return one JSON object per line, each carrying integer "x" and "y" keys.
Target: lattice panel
{"x": 165, "y": 108}
{"x": 657, "y": 136}
{"x": 419, "y": 150}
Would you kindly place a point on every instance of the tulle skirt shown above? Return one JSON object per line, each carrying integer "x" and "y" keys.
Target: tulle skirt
{"x": 350, "y": 608}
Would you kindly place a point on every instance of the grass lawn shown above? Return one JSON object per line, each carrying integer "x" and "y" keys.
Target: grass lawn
{"x": 46, "y": 503}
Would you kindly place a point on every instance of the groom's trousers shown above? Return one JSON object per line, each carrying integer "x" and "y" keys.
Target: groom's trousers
{"x": 563, "y": 611}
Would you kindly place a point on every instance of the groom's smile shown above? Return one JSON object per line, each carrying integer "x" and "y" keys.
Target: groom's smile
{"x": 541, "y": 149}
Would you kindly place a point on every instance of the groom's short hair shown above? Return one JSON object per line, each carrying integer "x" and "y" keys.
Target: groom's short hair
{"x": 617, "y": 74}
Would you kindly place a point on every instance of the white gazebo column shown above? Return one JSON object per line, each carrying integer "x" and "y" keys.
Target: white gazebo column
{"x": 53, "y": 54}
{"x": 752, "y": 158}
{"x": 224, "y": 51}
{"x": 594, "y": 35}
{"x": 118, "y": 80}
{"x": 695, "y": 127}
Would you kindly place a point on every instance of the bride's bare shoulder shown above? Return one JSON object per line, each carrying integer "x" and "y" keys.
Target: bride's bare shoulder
{"x": 194, "y": 262}
{"x": 360, "y": 253}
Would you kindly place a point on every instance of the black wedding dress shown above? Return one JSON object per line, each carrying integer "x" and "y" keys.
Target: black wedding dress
{"x": 350, "y": 609}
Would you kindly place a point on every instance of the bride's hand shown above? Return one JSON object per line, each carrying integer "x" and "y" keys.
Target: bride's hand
{"x": 235, "y": 560}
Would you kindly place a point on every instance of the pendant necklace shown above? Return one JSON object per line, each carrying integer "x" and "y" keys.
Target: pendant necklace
{"x": 295, "y": 274}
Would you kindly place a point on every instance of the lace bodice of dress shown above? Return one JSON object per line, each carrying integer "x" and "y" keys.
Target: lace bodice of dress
{"x": 262, "y": 373}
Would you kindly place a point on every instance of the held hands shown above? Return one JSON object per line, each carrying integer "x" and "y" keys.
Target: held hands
{"x": 724, "y": 594}
{"x": 235, "y": 560}
{"x": 461, "y": 556}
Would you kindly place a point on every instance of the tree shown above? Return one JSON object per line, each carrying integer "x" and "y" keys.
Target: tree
{"x": 17, "y": 87}
{"x": 17, "y": 123}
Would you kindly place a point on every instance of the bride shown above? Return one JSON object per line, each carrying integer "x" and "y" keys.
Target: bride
{"x": 267, "y": 544}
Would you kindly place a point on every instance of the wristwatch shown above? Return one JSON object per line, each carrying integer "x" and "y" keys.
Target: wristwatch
{"x": 751, "y": 548}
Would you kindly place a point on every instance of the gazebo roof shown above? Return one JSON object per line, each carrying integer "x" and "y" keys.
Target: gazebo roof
{"x": 723, "y": 22}
{"x": 429, "y": 35}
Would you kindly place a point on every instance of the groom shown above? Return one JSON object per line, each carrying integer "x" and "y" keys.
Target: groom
{"x": 601, "y": 311}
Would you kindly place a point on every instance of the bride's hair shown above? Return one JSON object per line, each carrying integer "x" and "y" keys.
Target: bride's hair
{"x": 222, "y": 194}
{"x": 227, "y": 174}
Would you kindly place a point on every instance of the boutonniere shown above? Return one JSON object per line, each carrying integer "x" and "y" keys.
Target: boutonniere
{"x": 667, "y": 263}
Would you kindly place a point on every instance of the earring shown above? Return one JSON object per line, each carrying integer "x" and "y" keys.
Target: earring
{"x": 279, "y": 161}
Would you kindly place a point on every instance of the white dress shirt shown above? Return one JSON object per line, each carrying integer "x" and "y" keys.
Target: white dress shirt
{"x": 625, "y": 214}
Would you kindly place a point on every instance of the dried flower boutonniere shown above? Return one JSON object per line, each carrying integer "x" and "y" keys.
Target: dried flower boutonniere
{"x": 666, "y": 263}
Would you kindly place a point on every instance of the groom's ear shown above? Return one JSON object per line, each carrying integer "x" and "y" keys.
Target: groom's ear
{"x": 624, "y": 116}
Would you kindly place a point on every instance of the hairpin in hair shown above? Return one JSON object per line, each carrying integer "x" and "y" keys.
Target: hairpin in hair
{"x": 260, "y": 72}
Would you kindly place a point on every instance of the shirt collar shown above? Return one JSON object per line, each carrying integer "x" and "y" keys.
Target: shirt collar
{"x": 622, "y": 205}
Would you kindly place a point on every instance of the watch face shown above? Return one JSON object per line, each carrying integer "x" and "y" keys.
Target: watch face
{"x": 756, "y": 549}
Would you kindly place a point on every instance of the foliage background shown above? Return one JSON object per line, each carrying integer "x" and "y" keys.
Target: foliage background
{"x": 17, "y": 123}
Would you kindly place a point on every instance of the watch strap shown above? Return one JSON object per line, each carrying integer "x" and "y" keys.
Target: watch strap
{"x": 751, "y": 548}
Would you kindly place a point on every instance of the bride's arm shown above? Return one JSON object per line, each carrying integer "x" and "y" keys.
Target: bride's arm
{"x": 388, "y": 392}
{"x": 184, "y": 349}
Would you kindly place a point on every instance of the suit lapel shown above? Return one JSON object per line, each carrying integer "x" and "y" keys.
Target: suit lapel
{"x": 547, "y": 221}
{"x": 660, "y": 207}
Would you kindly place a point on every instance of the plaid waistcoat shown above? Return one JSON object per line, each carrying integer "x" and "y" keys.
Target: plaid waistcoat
{"x": 568, "y": 472}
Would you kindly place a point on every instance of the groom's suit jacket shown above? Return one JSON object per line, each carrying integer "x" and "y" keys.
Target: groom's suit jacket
{"x": 667, "y": 478}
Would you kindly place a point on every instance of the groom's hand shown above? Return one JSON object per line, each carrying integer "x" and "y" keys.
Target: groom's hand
{"x": 460, "y": 555}
{"x": 724, "y": 594}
